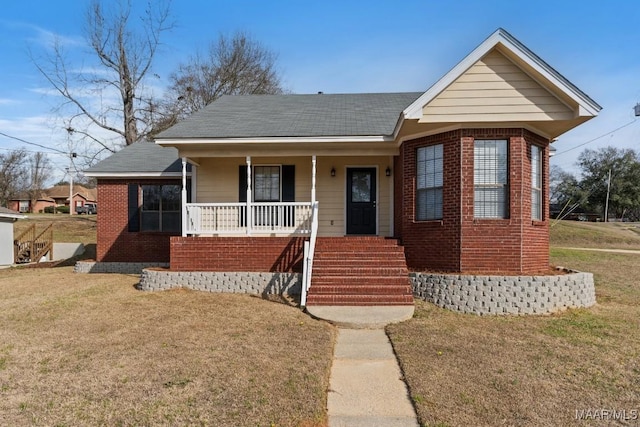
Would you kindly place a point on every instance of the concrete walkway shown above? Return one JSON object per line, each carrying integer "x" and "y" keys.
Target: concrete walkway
{"x": 366, "y": 386}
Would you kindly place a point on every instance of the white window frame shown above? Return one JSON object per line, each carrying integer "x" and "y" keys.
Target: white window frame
{"x": 491, "y": 179}
{"x": 254, "y": 181}
{"x": 536, "y": 182}
{"x": 429, "y": 182}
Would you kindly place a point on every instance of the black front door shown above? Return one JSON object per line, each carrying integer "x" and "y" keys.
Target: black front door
{"x": 361, "y": 201}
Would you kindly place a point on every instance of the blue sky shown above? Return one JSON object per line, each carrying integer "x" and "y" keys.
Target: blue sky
{"x": 351, "y": 46}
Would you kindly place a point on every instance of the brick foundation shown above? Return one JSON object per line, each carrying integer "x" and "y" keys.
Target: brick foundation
{"x": 221, "y": 254}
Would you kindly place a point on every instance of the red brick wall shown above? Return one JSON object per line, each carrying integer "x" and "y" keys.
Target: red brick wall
{"x": 115, "y": 243}
{"x": 258, "y": 254}
{"x": 431, "y": 244}
{"x": 459, "y": 242}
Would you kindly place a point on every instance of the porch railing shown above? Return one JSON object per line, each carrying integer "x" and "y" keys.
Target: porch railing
{"x": 264, "y": 218}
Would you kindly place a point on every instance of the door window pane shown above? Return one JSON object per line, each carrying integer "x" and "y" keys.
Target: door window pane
{"x": 360, "y": 186}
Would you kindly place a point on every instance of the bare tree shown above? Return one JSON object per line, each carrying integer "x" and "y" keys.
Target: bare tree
{"x": 13, "y": 175}
{"x": 123, "y": 50}
{"x": 39, "y": 174}
{"x": 232, "y": 66}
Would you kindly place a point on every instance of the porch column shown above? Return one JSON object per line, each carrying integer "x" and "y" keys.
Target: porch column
{"x": 313, "y": 179}
{"x": 184, "y": 197}
{"x": 249, "y": 215}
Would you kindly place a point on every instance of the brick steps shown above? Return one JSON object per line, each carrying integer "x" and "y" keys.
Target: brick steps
{"x": 361, "y": 300}
{"x": 368, "y": 271}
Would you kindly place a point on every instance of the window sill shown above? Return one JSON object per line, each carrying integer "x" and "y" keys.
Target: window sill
{"x": 491, "y": 221}
{"x": 160, "y": 233}
{"x": 429, "y": 221}
{"x": 538, "y": 223}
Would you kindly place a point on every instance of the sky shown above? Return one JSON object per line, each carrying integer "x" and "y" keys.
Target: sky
{"x": 344, "y": 46}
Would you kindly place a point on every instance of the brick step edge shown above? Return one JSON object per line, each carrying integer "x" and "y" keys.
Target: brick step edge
{"x": 360, "y": 272}
{"x": 360, "y": 281}
{"x": 361, "y": 290}
{"x": 359, "y": 300}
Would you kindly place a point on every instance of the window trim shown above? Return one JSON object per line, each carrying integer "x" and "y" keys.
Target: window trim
{"x": 505, "y": 187}
{"x": 537, "y": 184}
{"x": 427, "y": 189}
{"x": 160, "y": 211}
{"x": 253, "y": 183}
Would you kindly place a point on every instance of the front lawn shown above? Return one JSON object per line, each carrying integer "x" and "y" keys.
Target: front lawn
{"x": 81, "y": 349}
{"x": 532, "y": 370}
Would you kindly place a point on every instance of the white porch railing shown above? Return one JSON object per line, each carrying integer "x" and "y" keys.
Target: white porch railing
{"x": 309, "y": 252}
{"x": 264, "y": 218}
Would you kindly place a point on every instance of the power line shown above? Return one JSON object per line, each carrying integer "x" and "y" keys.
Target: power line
{"x": 595, "y": 139}
{"x": 33, "y": 143}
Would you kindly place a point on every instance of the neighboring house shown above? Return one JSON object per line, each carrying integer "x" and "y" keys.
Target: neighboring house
{"x": 57, "y": 195}
{"x": 24, "y": 204}
{"x": 7, "y": 218}
{"x": 457, "y": 175}
{"x": 81, "y": 195}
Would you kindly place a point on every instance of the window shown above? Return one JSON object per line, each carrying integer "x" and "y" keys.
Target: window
{"x": 536, "y": 183}
{"x": 490, "y": 172}
{"x": 429, "y": 180}
{"x": 161, "y": 208}
{"x": 24, "y": 206}
{"x": 266, "y": 183}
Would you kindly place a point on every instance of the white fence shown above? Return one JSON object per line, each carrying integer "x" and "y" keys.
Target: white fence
{"x": 260, "y": 218}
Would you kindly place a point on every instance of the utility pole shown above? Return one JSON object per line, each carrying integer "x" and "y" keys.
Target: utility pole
{"x": 606, "y": 204}
{"x": 70, "y": 169}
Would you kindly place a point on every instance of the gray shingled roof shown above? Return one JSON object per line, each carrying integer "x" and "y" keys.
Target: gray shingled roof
{"x": 141, "y": 157}
{"x": 365, "y": 114}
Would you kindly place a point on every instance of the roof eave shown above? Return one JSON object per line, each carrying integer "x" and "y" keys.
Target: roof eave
{"x": 123, "y": 175}
{"x": 170, "y": 142}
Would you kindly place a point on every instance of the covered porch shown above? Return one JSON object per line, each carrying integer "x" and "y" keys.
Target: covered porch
{"x": 264, "y": 196}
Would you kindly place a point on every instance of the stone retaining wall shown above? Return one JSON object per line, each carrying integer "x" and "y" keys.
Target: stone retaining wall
{"x": 505, "y": 294}
{"x": 234, "y": 282}
{"x": 115, "y": 267}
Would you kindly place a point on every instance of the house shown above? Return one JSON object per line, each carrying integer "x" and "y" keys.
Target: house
{"x": 7, "y": 218}
{"x": 58, "y": 195}
{"x": 23, "y": 203}
{"x": 81, "y": 195}
{"x": 354, "y": 189}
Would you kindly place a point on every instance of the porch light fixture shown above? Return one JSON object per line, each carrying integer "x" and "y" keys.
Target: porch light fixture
{"x": 333, "y": 171}
{"x": 388, "y": 171}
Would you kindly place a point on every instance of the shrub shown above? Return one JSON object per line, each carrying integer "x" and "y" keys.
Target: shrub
{"x": 49, "y": 209}
{"x": 62, "y": 209}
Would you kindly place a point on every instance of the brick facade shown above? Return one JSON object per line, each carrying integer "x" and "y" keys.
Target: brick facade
{"x": 115, "y": 243}
{"x": 259, "y": 254}
{"x": 460, "y": 242}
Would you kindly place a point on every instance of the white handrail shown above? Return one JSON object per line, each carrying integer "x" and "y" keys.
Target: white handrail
{"x": 309, "y": 252}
